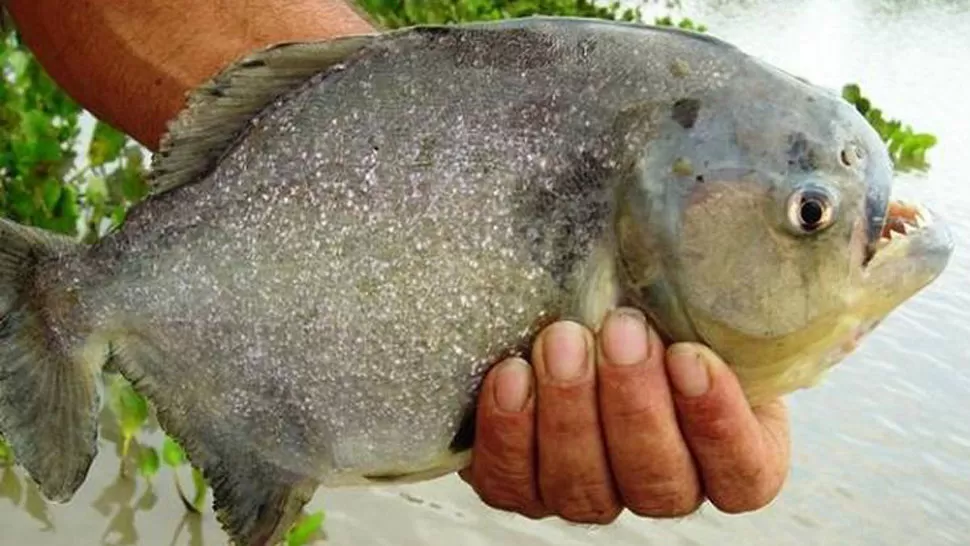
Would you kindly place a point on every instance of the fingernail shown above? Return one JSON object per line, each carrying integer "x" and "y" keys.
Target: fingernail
{"x": 625, "y": 340}
{"x": 513, "y": 384}
{"x": 687, "y": 370}
{"x": 564, "y": 351}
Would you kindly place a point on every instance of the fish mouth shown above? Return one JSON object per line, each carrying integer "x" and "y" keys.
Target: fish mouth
{"x": 913, "y": 248}
{"x": 912, "y": 231}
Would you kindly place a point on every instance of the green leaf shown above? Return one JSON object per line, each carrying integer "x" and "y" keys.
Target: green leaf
{"x": 18, "y": 61}
{"x": 303, "y": 531}
{"x": 852, "y": 93}
{"x": 906, "y": 148}
{"x": 6, "y": 454}
{"x": 129, "y": 408}
{"x": 133, "y": 186}
{"x": 106, "y": 144}
{"x": 172, "y": 453}
{"x": 65, "y": 212}
{"x": 96, "y": 191}
{"x": 52, "y": 190}
{"x": 39, "y": 142}
{"x": 201, "y": 488}
{"x": 148, "y": 461}
{"x": 118, "y": 215}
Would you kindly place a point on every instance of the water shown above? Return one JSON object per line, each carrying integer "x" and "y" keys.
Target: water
{"x": 881, "y": 449}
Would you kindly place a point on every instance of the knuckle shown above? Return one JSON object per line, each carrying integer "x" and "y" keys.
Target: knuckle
{"x": 715, "y": 428}
{"x": 715, "y": 418}
{"x": 511, "y": 495}
{"x": 665, "y": 502}
{"x": 571, "y": 420}
{"x": 631, "y": 410}
{"x": 745, "y": 483}
{"x": 670, "y": 487}
{"x": 506, "y": 484}
{"x": 757, "y": 494}
{"x": 494, "y": 474}
{"x": 591, "y": 502}
{"x": 532, "y": 510}
{"x": 601, "y": 515}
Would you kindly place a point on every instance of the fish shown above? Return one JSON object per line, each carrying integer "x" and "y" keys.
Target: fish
{"x": 342, "y": 237}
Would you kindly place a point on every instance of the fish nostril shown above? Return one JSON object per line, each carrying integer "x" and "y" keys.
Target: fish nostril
{"x": 851, "y": 155}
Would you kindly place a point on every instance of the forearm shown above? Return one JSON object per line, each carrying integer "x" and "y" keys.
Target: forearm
{"x": 132, "y": 63}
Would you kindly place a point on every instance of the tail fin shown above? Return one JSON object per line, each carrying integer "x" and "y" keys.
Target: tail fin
{"x": 49, "y": 399}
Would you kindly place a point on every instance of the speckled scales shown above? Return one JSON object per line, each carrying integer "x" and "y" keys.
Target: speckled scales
{"x": 339, "y": 283}
{"x": 324, "y": 302}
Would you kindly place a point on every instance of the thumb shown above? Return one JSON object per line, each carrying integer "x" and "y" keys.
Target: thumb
{"x": 742, "y": 453}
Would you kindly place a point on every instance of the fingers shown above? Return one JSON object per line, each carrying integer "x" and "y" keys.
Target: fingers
{"x": 575, "y": 480}
{"x": 582, "y": 436}
{"x": 742, "y": 454}
{"x": 502, "y": 470}
{"x": 651, "y": 463}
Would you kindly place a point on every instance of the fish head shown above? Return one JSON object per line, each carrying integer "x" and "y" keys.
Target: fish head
{"x": 760, "y": 223}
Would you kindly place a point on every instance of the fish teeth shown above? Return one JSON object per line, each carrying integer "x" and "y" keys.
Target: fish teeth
{"x": 923, "y": 216}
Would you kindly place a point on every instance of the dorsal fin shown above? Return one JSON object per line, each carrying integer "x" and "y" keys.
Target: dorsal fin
{"x": 218, "y": 112}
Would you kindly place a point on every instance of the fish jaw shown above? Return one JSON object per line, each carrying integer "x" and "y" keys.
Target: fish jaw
{"x": 802, "y": 361}
{"x": 913, "y": 251}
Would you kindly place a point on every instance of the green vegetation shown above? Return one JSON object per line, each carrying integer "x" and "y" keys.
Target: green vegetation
{"x": 685, "y": 23}
{"x": 6, "y": 456}
{"x": 44, "y": 183}
{"x": 42, "y": 179}
{"x": 305, "y": 530}
{"x": 907, "y": 147}
{"x": 402, "y": 13}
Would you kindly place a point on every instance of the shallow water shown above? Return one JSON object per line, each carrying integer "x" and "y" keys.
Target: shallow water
{"x": 881, "y": 449}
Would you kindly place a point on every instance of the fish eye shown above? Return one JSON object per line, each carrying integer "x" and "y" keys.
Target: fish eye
{"x": 810, "y": 211}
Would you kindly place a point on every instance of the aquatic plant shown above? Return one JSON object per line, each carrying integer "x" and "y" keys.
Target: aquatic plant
{"x": 907, "y": 147}
{"x": 54, "y": 177}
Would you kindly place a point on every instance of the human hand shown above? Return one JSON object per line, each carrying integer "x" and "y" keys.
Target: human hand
{"x": 599, "y": 425}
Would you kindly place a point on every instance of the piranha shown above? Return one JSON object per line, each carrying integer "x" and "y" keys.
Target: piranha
{"x": 343, "y": 236}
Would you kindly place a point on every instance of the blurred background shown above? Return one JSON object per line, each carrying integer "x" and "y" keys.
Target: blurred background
{"x": 881, "y": 448}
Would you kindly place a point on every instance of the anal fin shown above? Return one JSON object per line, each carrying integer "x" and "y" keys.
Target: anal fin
{"x": 257, "y": 504}
{"x": 255, "y": 500}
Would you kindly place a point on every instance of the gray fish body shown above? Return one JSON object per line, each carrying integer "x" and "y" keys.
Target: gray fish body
{"x": 340, "y": 282}
{"x": 344, "y": 237}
